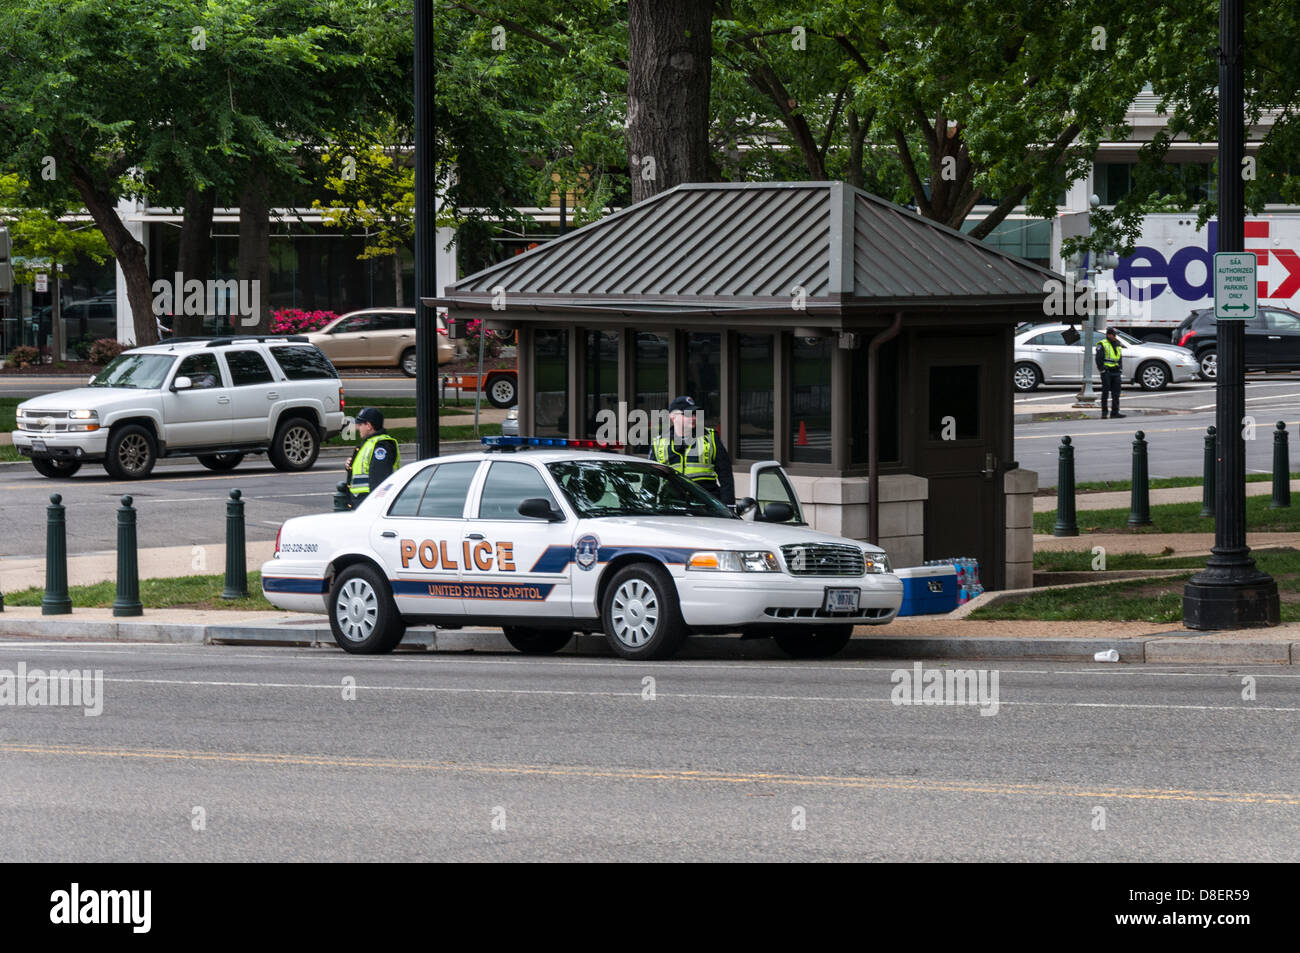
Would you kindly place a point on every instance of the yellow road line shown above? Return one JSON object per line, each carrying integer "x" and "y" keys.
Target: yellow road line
{"x": 665, "y": 774}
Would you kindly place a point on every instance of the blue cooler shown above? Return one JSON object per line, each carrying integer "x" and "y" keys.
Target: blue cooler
{"x": 928, "y": 590}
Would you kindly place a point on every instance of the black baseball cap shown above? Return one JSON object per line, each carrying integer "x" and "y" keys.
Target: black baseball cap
{"x": 683, "y": 403}
{"x": 1110, "y": 331}
{"x": 370, "y": 415}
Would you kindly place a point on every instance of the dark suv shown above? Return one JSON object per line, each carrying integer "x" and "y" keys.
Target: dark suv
{"x": 1272, "y": 340}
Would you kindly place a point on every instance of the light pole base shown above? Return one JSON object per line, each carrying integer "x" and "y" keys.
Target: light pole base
{"x": 1216, "y": 599}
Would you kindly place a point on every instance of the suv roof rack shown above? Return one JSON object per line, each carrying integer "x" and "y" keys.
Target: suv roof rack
{"x": 260, "y": 339}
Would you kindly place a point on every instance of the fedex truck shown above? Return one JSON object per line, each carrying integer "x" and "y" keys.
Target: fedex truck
{"x": 1170, "y": 273}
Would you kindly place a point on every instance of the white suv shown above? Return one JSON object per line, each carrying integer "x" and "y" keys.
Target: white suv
{"x": 215, "y": 399}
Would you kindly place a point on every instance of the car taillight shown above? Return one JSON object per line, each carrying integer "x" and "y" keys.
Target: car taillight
{"x": 342, "y": 403}
{"x": 1182, "y": 341}
{"x": 277, "y": 538}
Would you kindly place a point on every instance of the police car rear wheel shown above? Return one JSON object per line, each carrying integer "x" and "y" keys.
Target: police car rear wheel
{"x": 221, "y": 461}
{"x": 536, "y": 641}
{"x": 296, "y": 445}
{"x": 363, "y": 616}
{"x": 821, "y": 642}
{"x": 640, "y": 613}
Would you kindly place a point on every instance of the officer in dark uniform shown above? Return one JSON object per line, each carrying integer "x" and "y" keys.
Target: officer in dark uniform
{"x": 375, "y": 460}
{"x": 700, "y": 457}
{"x": 1110, "y": 354}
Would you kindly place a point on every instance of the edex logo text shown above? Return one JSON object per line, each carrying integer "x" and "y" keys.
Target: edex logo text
{"x": 1176, "y": 273}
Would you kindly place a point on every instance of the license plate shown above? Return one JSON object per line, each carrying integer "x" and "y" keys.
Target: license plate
{"x": 841, "y": 600}
{"x": 38, "y": 445}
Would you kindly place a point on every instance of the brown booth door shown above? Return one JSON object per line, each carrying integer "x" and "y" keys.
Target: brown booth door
{"x": 957, "y": 451}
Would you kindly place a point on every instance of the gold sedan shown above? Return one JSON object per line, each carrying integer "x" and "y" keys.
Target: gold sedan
{"x": 377, "y": 337}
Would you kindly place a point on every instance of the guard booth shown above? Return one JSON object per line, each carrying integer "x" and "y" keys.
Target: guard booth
{"x": 764, "y": 301}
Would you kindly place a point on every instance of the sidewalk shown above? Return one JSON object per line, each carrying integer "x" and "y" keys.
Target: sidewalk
{"x": 1065, "y": 407}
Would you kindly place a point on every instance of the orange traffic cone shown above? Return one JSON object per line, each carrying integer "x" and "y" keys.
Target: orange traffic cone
{"x": 803, "y": 435}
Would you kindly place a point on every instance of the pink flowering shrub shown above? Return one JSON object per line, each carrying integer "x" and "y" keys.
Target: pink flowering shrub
{"x": 297, "y": 321}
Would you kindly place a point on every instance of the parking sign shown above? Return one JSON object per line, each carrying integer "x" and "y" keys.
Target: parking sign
{"x": 1234, "y": 285}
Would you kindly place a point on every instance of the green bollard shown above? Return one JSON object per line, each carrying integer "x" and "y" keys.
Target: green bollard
{"x": 128, "y": 567}
{"x": 236, "y": 561}
{"x": 341, "y": 496}
{"x": 1207, "y": 481}
{"x": 1066, "y": 523}
{"x": 1140, "y": 511}
{"x": 56, "y": 600}
{"x": 1281, "y": 469}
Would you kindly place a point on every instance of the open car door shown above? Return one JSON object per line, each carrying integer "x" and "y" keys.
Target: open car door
{"x": 769, "y": 484}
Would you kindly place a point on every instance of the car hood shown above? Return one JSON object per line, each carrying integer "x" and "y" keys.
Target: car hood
{"x": 88, "y": 398}
{"x": 1169, "y": 350}
{"x": 706, "y": 533}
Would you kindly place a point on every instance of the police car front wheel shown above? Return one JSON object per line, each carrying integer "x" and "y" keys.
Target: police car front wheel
{"x": 363, "y": 616}
{"x": 641, "y": 615}
{"x": 536, "y": 641}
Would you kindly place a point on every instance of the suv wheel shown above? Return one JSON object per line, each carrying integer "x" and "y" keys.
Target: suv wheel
{"x": 408, "y": 362}
{"x": 502, "y": 392}
{"x": 1153, "y": 376}
{"x": 221, "y": 461}
{"x": 536, "y": 641}
{"x": 363, "y": 616}
{"x": 640, "y": 613}
{"x": 131, "y": 453}
{"x": 1026, "y": 377}
{"x": 295, "y": 446}
{"x": 1209, "y": 360}
{"x": 50, "y": 467}
{"x": 821, "y": 642}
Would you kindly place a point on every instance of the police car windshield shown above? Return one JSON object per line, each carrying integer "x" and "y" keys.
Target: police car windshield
{"x": 632, "y": 488}
{"x": 141, "y": 371}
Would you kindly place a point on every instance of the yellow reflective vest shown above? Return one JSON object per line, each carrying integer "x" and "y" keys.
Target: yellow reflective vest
{"x": 359, "y": 477}
{"x": 697, "y": 462}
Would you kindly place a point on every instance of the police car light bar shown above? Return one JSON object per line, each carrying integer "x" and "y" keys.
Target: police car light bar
{"x": 519, "y": 443}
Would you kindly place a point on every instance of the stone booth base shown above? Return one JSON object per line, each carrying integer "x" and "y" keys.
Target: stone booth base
{"x": 839, "y": 505}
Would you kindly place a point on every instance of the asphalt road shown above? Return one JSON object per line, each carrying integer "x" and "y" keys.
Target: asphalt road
{"x": 482, "y": 757}
{"x": 1175, "y": 433}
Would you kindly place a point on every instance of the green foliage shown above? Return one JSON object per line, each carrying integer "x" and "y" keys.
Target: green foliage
{"x": 104, "y": 350}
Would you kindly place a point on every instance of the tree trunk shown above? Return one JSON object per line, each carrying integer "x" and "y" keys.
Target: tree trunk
{"x": 669, "y": 58}
{"x": 195, "y": 256}
{"x": 255, "y": 252}
{"x": 398, "y": 297}
{"x": 129, "y": 252}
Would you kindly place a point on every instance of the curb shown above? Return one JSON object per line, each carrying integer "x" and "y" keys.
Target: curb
{"x": 1174, "y": 648}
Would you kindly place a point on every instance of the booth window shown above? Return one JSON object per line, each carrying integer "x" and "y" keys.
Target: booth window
{"x": 649, "y": 380}
{"x": 810, "y": 400}
{"x": 887, "y": 393}
{"x": 601, "y": 359}
{"x": 551, "y": 377}
{"x": 704, "y": 374}
{"x": 756, "y": 355}
{"x": 954, "y": 402}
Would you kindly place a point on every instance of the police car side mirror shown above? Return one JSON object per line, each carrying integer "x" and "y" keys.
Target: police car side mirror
{"x": 182, "y": 383}
{"x": 745, "y": 504}
{"x": 778, "y": 513}
{"x": 539, "y": 509}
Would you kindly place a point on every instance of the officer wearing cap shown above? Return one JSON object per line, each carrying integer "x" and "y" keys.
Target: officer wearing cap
{"x": 1110, "y": 356}
{"x": 700, "y": 458}
{"x": 375, "y": 460}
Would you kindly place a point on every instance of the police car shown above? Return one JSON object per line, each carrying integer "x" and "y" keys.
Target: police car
{"x": 544, "y": 537}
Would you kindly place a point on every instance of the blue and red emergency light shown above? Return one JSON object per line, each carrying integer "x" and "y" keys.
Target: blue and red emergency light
{"x": 519, "y": 443}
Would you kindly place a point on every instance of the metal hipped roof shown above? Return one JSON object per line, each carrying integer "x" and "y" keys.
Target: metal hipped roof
{"x": 725, "y": 247}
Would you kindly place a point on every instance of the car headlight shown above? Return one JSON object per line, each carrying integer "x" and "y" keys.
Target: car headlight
{"x": 728, "y": 561}
{"x": 876, "y": 562}
{"x": 90, "y": 418}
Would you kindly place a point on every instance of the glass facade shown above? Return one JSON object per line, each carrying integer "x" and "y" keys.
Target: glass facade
{"x": 649, "y": 379}
{"x": 954, "y": 402}
{"x": 756, "y": 359}
{"x": 601, "y": 392}
{"x": 887, "y": 393}
{"x": 703, "y": 377}
{"x": 551, "y": 376}
{"x": 810, "y": 400}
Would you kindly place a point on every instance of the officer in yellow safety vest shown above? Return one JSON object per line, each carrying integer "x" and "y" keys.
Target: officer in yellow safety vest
{"x": 1110, "y": 354}
{"x": 702, "y": 459}
{"x": 373, "y": 461}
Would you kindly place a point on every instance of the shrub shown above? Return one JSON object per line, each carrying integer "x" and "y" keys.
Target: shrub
{"x": 104, "y": 350}
{"x": 493, "y": 341}
{"x": 81, "y": 347}
{"x": 24, "y": 356}
{"x": 297, "y": 321}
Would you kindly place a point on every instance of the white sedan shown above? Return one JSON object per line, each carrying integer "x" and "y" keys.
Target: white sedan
{"x": 1042, "y": 356}
{"x": 544, "y": 539}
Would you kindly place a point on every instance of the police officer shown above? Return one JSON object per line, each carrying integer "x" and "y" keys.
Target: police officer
{"x": 1110, "y": 354}
{"x": 373, "y": 461}
{"x": 702, "y": 459}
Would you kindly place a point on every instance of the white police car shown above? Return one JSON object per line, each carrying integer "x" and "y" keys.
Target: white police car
{"x": 545, "y": 537}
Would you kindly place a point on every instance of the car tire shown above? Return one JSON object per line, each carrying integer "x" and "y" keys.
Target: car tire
{"x": 502, "y": 391}
{"x": 1026, "y": 377}
{"x": 641, "y": 615}
{"x": 131, "y": 453}
{"x": 363, "y": 616}
{"x": 1153, "y": 375}
{"x": 221, "y": 461}
{"x": 55, "y": 469}
{"x": 536, "y": 641}
{"x": 408, "y": 363}
{"x": 296, "y": 445}
{"x": 1209, "y": 361}
{"x": 820, "y": 642}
